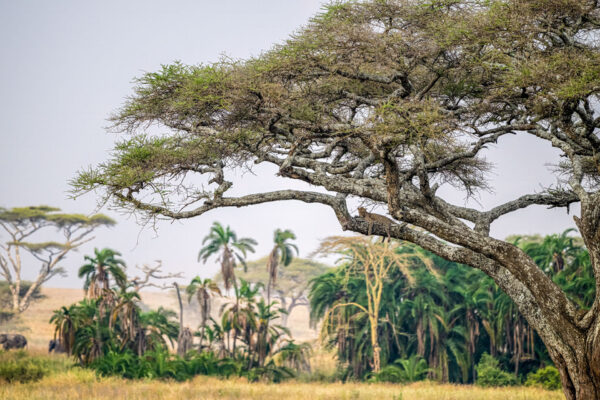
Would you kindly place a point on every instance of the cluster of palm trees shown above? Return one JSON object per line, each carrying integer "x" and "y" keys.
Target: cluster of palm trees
{"x": 247, "y": 329}
{"x": 440, "y": 314}
{"x": 110, "y": 321}
{"x": 110, "y": 317}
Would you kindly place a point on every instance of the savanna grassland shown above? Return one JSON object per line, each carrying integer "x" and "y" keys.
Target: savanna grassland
{"x": 64, "y": 380}
{"x": 83, "y": 384}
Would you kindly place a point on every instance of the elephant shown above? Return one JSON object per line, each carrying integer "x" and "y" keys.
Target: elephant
{"x": 56, "y": 346}
{"x": 12, "y": 341}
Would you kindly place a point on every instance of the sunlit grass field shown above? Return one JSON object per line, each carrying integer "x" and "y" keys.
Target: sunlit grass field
{"x": 83, "y": 384}
{"x": 66, "y": 381}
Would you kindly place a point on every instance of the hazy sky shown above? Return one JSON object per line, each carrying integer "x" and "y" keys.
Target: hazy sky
{"x": 66, "y": 65}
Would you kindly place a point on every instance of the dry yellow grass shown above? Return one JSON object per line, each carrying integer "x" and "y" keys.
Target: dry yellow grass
{"x": 78, "y": 383}
{"x": 82, "y": 384}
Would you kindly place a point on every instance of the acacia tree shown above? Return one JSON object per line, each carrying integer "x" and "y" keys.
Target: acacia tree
{"x": 388, "y": 101}
{"x": 21, "y": 224}
{"x": 372, "y": 262}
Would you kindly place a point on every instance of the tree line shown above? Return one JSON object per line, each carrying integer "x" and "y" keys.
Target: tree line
{"x": 436, "y": 318}
{"x": 109, "y": 332}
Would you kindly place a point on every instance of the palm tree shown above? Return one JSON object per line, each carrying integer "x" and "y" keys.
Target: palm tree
{"x": 412, "y": 369}
{"x": 99, "y": 270}
{"x": 64, "y": 326}
{"x": 267, "y": 334}
{"x": 282, "y": 253}
{"x": 225, "y": 240}
{"x": 216, "y": 335}
{"x": 155, "y": 325}
{"x": 203, "y": 289}
{"x": 471, "y": 301}
{"x": 294, "y": 355}
{"x": 126, "y": 314}
{"x": 90, "y": 331}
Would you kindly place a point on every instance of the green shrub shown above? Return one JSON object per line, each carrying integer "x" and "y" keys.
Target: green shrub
{"x": 269, "y": 373}
{"x": 18, "y": 367}
{"x": 390, "y": 373}
{"x": 404, "y": 370}
{"x": 548, "y": 378}
{"x": 161, "y": 364}
{"x": 152, "y": 365}
{"x": 490, "y": 374}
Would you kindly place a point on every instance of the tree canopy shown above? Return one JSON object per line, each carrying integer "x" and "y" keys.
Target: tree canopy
{"x": 21, "y": 224}
{"x": 388, "y": 101}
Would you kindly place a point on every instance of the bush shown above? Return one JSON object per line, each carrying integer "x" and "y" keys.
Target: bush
{"x": 153, "y": 365}
{"x": 161, "y": 364}
{"x": 490, "y": 374}
{"x": 548, "y": 378}
{"x": 269, "y": 373}
{"x": 6, "y": 315}
{"x": 18, "y": 367}
{"x": 390, "y": 373}
{"x": 404, "y": 370}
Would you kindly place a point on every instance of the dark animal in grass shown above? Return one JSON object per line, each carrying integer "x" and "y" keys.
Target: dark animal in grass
{"x": 56, "y": 346}
{"x": 12, "y": 341}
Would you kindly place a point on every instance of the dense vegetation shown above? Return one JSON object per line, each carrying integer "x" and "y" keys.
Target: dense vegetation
{"x": 20, "y": 366}
{"x": 109, "y": 332}
{"x": 438, "y": 322}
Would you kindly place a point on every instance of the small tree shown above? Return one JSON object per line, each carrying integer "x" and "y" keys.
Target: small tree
{"x": 204, "y": 290}
{"x": 372, "y": 261}
{"x": 21, "y": 224}
{"x": 282, "y": 253}
{"x": 224, "y": 240}
{"x": 99, "y": 270}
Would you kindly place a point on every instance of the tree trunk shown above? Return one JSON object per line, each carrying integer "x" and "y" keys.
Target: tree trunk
{"x": 17, "y": 285}
{"x": 580, "y": 378}
{"x": 237, "y": 308}
{"x": 420, "y": 339}
{"x": 373, "y": 320}
{"x": 376, "y": 358}
{"x": 15, "y": 296}
{"x": 202, "y": 334}
{"x": 184, "y": 338}
{"x": 578, "y": 358}
{"x": 284, "y": 318}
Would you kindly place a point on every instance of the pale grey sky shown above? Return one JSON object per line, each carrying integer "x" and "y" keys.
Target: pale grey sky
{"x": 66, "y": 65}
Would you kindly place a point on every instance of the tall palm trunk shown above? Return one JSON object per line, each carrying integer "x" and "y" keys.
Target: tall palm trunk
{"x": 183, "y": 339}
